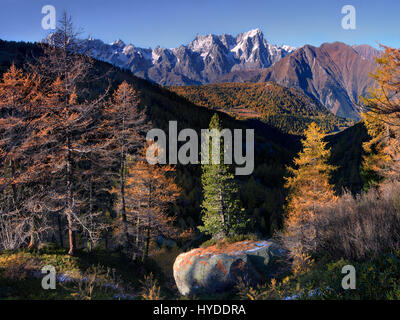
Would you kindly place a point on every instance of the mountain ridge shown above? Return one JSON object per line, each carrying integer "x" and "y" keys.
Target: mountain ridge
{"x": 203, "y": 60}
{"x": 334, "y": 73}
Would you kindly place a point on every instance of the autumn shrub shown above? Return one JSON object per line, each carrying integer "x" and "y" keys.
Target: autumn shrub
{"x": 248, "y": 292}
{"x": 97, "y": 282}
{"x": 150, "y": 288}
{"x": 355, "y": 228}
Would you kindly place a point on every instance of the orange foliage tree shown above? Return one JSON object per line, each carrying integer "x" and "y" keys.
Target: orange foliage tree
{"x": 122, "y": 130}
{"x": 18, "y": 109}
{"x": 61, "y": 131}
{"x": 382, "y": 119}
{"x": 309, "y": 189}
{"x": 150, "y": 191}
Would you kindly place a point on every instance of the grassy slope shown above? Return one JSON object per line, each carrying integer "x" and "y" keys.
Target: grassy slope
{"x": 20, "y": 274}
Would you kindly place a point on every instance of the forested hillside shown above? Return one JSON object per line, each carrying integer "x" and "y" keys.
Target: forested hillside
{"x": 347, "y": 153}
{"x": 284, "y": 108}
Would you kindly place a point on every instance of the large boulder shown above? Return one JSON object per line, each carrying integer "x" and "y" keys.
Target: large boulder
{"x": 218, "y": 268}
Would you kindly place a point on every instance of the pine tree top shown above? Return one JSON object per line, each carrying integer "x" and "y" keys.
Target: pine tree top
{"x": 215, "y": 122}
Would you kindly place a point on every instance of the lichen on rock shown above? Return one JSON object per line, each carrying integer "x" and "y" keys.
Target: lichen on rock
{"x": 218, "y": 268}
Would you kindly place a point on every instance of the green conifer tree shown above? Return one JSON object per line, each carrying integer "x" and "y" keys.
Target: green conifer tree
{"x": 223, "y": 215}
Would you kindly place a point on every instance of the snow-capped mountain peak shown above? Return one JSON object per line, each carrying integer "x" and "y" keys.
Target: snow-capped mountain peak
{"x": 251, "y": 34}
{"x": 203, "y": 60}
{"x": 118, "y": 43}
{"x": 202, "y": 43}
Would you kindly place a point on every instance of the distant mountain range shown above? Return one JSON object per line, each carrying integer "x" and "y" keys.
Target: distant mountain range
{"x": 335, "y": 74}
{"x": 203, "y": 60}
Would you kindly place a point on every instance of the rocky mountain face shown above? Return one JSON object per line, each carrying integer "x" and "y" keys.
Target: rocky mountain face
{"x": 367, "y": 52}
{"x": 203, "y": 60}
{"x": 334, "y": 73}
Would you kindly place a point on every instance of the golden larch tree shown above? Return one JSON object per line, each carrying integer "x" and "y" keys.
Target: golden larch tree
{"x": 382, "y": 120}
{"x": 123, "y": 128}
{"x": 18, "y": 109}
{"x": 309, "y": 190}
{"x": 150, "y": 190}
{"x": 308, "y": 184}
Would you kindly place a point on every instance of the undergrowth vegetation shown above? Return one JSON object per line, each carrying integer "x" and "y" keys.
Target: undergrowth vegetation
{"x": 228, "y": 240}
{"x": 377, "y": 279}
{"x": 88, "y": 275}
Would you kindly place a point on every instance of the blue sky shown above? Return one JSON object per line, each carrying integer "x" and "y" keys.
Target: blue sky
{"x": 174, "y": 22}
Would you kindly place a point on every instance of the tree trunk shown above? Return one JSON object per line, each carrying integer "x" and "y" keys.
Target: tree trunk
{"x": 123, "y": 204}
{"x": 106, "y": 240}
{"x": 224, "y": 231}
{"x": 137, "y": 232}
{"x": 89, "y": 240}
{"x": 71, "y": 251}
{"x": 32, "y": 242}
{"x": 60, "y": 231}
{"x": 146, "y": 252}
{"x": 13, "y": 187}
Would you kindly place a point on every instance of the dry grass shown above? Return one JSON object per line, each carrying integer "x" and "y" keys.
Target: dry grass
{"x": 357, "y": 229}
